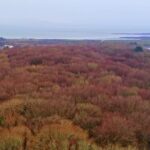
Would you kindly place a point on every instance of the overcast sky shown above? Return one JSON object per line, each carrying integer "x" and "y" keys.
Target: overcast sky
{"x": 25, "y": 16}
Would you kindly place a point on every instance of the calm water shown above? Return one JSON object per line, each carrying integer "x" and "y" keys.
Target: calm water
{"x": 95, "y": 35}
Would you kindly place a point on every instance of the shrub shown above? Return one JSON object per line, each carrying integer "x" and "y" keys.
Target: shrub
{"x": 36, "y": 61}
{"x": 10, "y": 143}
{"x": 87, "y": 116}
{"x": 92, "y": 65}
{"x": 114, "y": 129}
{"x": 2, "y": 120}
{"x": 138, "y": 49}
{"x": 62, "y": 136}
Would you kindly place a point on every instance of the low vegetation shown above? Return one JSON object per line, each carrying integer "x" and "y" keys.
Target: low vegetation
{"x": 75, "y": 97}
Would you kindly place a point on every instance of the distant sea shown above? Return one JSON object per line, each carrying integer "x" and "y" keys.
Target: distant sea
{"x": 75, "y": 35}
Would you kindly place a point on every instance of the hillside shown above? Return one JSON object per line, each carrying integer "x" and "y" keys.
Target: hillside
{"x": 75, "y": 97}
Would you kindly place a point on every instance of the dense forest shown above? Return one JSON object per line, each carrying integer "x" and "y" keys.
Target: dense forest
{"x": 75, "y": 97}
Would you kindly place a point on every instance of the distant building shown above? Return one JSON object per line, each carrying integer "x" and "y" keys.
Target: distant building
{"x": 8, "y": 46}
